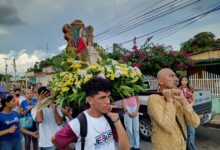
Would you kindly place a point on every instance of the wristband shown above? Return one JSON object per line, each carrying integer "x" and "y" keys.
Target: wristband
{"x": 116, "y": 120}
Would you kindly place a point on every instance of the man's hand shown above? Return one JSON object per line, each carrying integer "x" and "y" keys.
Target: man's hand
{"x": 179, "y": 96}
{"x": 43, "y": 95}
{"x": 54, "y": 105}
{"x": 12, "y": 129}
{"x": 114, "y": 116}
{"x": 168, "y": 95}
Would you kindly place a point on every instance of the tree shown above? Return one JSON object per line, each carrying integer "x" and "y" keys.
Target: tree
{"x": 200, "y": 42}
{"x": 38, "y": 66}
{"x": 2, "y": 77}
{"x": 117, "y": 51}
{"x": 151, "y": 58}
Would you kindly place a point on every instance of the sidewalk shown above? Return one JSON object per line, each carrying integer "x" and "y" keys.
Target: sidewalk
{"x": 215, "y": 122}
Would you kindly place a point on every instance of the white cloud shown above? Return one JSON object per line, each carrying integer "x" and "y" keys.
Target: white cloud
{"x": 62, "y": 47}
{"x": 2, "y": 63}
{"x": 24, "y": 60}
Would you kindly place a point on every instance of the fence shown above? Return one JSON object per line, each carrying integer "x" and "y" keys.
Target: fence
{"x": 152, "y": 82}
{"x": 209, "y": 81}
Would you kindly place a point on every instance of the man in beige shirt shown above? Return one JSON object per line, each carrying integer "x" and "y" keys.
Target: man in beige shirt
{"x": 167, "y": 111}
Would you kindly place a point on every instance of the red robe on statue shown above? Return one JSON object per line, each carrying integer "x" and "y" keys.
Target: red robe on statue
{"x": 81, "y": 45}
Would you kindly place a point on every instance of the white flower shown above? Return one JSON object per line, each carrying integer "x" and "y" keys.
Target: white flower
{"x": 101, "y": 75}
{"x": 83, "y": 73}
{"x": 117, "y": 67}
{"x": 75, "y": 62}
{"x": 74, "y": 90}
{"x": 114, "y": 62}
{"x": 118, "y": 73}
{"x": 108, "y": 68}
{"x": 130, "y": 68}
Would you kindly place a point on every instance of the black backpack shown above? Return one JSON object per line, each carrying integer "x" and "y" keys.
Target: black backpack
{"x": 83, "y": 127}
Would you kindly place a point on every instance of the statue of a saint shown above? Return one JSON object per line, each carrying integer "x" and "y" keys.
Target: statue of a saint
{"x": 82, "y": 42}
{"x": 93, "y": 55}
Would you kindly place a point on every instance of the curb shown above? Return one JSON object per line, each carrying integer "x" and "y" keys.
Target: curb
{"x": 213, "y": 125}
{"x": 215, "y": 122}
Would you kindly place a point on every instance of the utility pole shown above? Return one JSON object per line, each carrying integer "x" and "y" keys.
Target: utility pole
{"x": 135, "y": 44}
{"x": 6, "y": 68}
{"x": 14, "y": 64}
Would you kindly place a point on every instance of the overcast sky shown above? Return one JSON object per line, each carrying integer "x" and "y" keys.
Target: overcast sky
{"x": 28, "y": 26}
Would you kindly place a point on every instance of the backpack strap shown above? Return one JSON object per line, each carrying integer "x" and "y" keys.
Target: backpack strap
{"x": 111, "y": 124}
{"x": 109, "y": 121}
{"x": 83, "y": 128}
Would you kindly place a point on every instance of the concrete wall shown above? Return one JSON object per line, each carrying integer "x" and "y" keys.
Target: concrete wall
{"x": 216, "y": 105}
{"x": 44, "y": 79}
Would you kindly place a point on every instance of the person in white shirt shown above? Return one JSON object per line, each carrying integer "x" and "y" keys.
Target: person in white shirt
{"x": 49, "y": 120}
{"x": 100, "y": 134}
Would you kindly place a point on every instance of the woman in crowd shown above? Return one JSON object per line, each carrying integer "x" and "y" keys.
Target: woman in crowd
{"x": 131, "y": 120}
{"x": 188, "y": 92}
{"x": 10, "y": 137}
{"x": 25, "y": 111}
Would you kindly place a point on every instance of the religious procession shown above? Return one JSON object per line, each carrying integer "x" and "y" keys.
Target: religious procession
{"x": 90, "y": 98}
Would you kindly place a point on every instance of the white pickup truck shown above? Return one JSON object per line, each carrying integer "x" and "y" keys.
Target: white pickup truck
{"x": 202, "y": 107}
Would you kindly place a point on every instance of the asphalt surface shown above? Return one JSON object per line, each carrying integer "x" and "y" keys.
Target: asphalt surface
{"x": 207, "y": 138}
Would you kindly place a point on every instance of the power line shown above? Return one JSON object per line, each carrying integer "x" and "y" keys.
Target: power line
{"x": 151, "y": 19}
{"x": 173, "y": 30}
{"x": 197, "y": 17}
{"x": 178, "y": 29}
{"x": 138, "y": 15}
{"x": 133, "y": 19}
{"x": 126, "y": 12}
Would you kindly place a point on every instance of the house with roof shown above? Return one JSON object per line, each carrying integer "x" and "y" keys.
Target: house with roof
{"x": 205, "y": 74}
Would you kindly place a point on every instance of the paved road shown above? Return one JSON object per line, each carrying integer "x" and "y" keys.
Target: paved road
{"x": 206, "y": 139}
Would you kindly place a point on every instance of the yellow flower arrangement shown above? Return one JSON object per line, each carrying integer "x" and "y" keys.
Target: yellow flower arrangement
{"x": 67, "y": 85}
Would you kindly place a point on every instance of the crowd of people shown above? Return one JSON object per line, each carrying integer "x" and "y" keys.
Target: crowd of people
{"x": 54, "y": 127}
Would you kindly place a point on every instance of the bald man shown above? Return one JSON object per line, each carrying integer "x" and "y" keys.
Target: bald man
{"x": 170, "y": 114}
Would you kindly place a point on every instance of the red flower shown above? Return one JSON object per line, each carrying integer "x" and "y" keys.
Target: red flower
{"x": 186, "y": 54}
{"x": 124, "y": 58}
{"x": 172, "y": 53}
{"x": 134, "y": 52}
{"x": 138, "y": 65}
{"x": 142, "y": 56}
